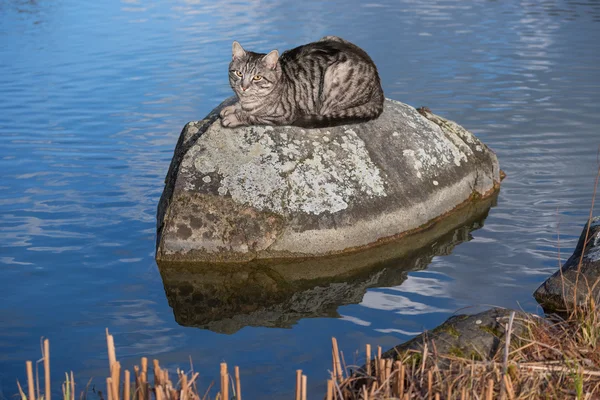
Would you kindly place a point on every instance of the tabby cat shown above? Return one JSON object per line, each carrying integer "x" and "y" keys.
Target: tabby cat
{"x": 325, "y": 83}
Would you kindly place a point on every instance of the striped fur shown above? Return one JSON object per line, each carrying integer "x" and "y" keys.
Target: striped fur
{"x": 325, "y": 83}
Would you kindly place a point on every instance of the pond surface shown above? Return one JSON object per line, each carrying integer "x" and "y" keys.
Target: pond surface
{"x": 93, "y": 96}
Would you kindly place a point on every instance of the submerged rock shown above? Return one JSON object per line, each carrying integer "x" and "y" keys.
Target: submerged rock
{"x": 559, "y": 291}
{"x": 261, "y": 192}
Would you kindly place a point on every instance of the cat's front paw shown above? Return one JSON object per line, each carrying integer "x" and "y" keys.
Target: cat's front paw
{"x": 228, "y": 110}
{"x": 230, "y": 120}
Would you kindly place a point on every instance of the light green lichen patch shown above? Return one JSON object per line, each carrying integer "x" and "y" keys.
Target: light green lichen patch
{"x": 281, "y": 172}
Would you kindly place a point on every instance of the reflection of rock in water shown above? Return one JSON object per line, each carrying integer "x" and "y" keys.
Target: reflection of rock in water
{"x": 225, "y": 298}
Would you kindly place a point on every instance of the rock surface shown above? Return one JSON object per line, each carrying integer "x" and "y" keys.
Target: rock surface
{"x": 477, "y": 336}
{"x": 558, "y": 292}
{"x": 260, "y": 192}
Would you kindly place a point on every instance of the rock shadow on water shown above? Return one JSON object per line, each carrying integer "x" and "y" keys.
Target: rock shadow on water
{"x": 227, "y": 297}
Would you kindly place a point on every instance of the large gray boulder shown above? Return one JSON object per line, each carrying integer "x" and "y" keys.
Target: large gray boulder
{"x": 261, "y": 192}
{"x": 578, "y": 281}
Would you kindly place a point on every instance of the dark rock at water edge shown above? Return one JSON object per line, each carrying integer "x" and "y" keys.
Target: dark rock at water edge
{"x": 261, "y": 192}
{"x": 478, "y": 336}
{"x": 558, "y": 292}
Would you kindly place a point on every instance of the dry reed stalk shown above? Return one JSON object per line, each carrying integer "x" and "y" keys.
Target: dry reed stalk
{"x": 109, "y": 388}
{"x": 381, "y": 370}
{"x": 509, "y": 387}
{"x": 47, "y": 395}
{"x": 396, "y": 383}
{"x": 401, "y": 384}
{"x": 115, "y": 374}
{"x": 388, "y": 375}
{"x": 337, "y": 366}
{"x": 506, "y": 352}
{"x": 551, "y": 368}
{"x": 463, "y": 393}
{"x": 238, "y": 383}
{"x": 72, "y": 387}
{"x": 165, "y": 378}
{"x": 429, "y": 384}
{"x": 329, "y": 389}
{"x": 368, "y": 357}
{"x": 304, "y": 384}
{"x": 143, "y": 386}
{"x": 184, "y": 385}
{"x": 298, "y": 384}
{"x": 379, "y": 356}
{"x": 110, "y": 345}
{"x": 37, "y": 374}
{"x": 21, "y": 392}
{"x": 30, "y": 383}
{"x": 192, "y": 381}
{"x": 344, "y": 366}
{"x": 112, "y": 360}
{"x": 483, "y": 392}
{"x": 224, "y": 381}
{"x": 144, "y": 362}
{"x": 126, "y": 385}
{"x": 138, "y": 384}
{"x": 157, "y": 373}
{"x": 490, "y": 391}
{"x": 425, "y": 353}
{"x": 437, "y": 396}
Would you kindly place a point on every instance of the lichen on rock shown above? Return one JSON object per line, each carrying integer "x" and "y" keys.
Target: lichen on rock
{"x": 320, "y": 173}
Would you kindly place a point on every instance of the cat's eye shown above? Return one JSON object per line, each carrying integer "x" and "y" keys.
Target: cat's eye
{"x": 257, "y": 77}
{"x": 238, "y": 73}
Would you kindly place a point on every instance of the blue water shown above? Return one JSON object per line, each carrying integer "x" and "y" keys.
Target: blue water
{"x": 93, "y": 96}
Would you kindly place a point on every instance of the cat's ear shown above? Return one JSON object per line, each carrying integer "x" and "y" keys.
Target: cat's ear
{"x": 270, "y": 59}
{"x": 238, "y": 51}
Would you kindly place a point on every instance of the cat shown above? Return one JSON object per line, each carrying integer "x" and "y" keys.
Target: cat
{"x": 325, "y": 83}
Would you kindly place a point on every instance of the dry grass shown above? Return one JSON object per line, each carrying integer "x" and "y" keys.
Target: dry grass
{"x": 121, "y": 385}
{"x": 145, "y": 384}
{"x": 554, "y": 360}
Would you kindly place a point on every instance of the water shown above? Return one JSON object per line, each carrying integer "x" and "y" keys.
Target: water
{"x": 92, "y": 99}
